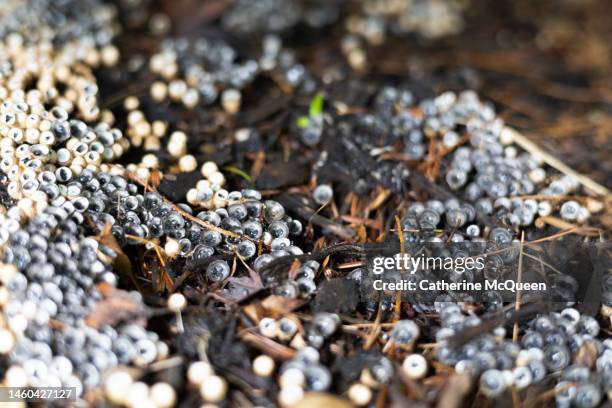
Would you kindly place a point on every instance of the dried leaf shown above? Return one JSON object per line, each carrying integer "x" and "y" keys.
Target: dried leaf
{"x": 319, "y": 399}
{"x": 121, "y": 262}
{"x": 116, "y": 306}
{"x": 294, "y": 268}
{"x": 239, "y": 288}
{"x": 586, "y": 355}
{"x": 279, "y": 305}
{"x": 155, "y": 179}
{"x": 455, "y": 390}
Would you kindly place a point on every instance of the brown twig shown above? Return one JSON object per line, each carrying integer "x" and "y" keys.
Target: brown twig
{"x": 555, "y": 163}
{"x": 519, "y": 279}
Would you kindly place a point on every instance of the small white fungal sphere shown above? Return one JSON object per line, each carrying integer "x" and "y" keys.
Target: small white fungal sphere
{"x": 7, "y": 272}
{"x": 290, "y": 395}
{"x": 499, "y": 332}
{"x": 18, "y": 323}
{"x": 172, "y": 247}
{"x": 523, "y": 358}
{"x": 188, "y": 163}
{"x": 191, "y": 98}
{"x": 198, "y": 372}
{"x": 415, "y": 366}
{"x": 508, "y": 377}
{"x": 322, "y": 194}
{"x": 583, "y": 215}
{"x": 202, "y": 185}
{"x": 522, "y": 377}
{"x": 159, "y": 91}
{"x": 450, "y": 139}
{"x": 7, "y": 341}
{"x": 177, "y": 145}
{"x": 230, "y": 100}
{"x": 15, "y": 376}
{"x": 131, "y": 103}
{"x": 163, "y": 395}
{"x": 137, "y": 392}
{"x": 117, "y": 385}
{"x": 263, "y": 365}
{"x": 537, "y": 175}
{"x": 535, "y": 353}
{"x": 292, "y": 377}
{"x": 492, "y": 383}
{"x": 192, "y": 196}
{"x": 162, "y": 350}
{"x": 4, "y": 295}
{"x": 217, "y": 178}
{"x": 150, "y": 161}
{"x": 142, "y": 173}
{"x": 510, "y": 152}
{"x": 594, "y": 206}
{"x": 208, "y": 168}
{"x": 357, "y": 59}
{"x": 506, "y": 136}
{"x": 360, "y": 394}
{"x": 176, "y": 302}
{"x": 169, "y": 71}
{"x": 569, "y": 210}
{"x": 213, "y": 389}
{"x": 473, "y": 230}
{"x": 177, "y": 89}
{"x": 544, "y": 208}
{"x": 146, "y": 403}
{"x": 268, "y": 327}
{"x": 220, "y": 198}
{"x": 242, "y": 135}
{"x": 110, "y": 55}
{"x": 159, "y": 128}
{"x": 157, "y": 63}
{"x": 571, "y": 314}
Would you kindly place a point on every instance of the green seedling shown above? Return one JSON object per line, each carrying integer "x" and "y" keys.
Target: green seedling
{"x": 315, "y": 110}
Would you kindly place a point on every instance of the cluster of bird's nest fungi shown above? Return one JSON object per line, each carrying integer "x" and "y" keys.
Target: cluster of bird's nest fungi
{"x": 148, "y": 260}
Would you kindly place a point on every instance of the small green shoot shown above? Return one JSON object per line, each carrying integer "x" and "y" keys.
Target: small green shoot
{"x": 302, "y": 122}
{"x": 316, "y": 106}
{"x": 238, "y": 172}
{"x": 315, "y": 110}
